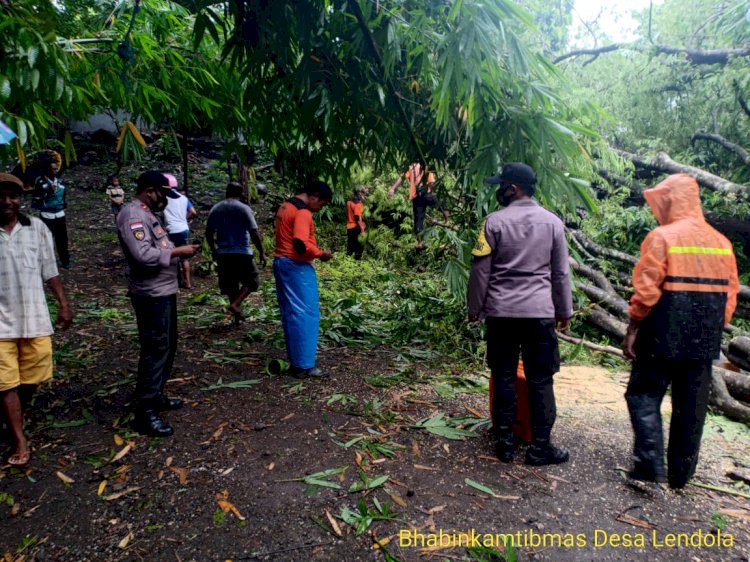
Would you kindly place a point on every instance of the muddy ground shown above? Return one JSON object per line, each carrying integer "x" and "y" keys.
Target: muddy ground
{"x": 230, "y": 484}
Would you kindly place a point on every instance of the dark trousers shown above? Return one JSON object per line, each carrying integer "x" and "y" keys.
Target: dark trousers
{"x": 691, "y": 384}
{"x": 157, "y": 333}
{"x": 353, "y": 246}
{"x": 535, "y": 340}
{"x": 59, "y": 230}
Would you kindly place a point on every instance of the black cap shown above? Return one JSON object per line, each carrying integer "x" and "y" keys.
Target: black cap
{"x": 514, "y": 172}
{"x": 155, "y": 179}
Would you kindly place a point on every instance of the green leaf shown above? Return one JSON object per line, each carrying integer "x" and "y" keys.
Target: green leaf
{"x": 477, "y": 486}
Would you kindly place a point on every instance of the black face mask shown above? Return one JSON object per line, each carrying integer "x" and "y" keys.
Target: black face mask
{"x": 502, "y": 198}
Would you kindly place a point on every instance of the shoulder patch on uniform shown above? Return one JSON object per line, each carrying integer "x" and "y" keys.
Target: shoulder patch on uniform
{"x": 482, "y": 247}
{"x": 139, "y": 234}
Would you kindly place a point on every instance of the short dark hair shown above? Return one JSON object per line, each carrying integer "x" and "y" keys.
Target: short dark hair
{"x": 111, "y": 177}
{"x": 527, "y": 188}
{"x": 234, "y": 189}
{"x": 319, "y": 188}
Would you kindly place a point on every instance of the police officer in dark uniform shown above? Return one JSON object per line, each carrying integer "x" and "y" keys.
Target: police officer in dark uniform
{"x": 152, "y": 288}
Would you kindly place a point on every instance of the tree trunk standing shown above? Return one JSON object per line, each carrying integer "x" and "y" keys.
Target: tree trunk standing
{"x": 242, "y": 168}
{"x": 185, "y": 163}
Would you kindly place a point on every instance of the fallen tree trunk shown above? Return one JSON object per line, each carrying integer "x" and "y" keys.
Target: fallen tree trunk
{"x": 738, "y": 384}
{"x": 606, "y": 322}
{"x": 729, "y": 145}
{"x": 724, "y": 401}
{"x": 599, "y": 250}
{"x": 738, "y": 352}
{"x": 594, "y": 275}
{"x": 611, "y": 300}
{"x": 663, "y": 163}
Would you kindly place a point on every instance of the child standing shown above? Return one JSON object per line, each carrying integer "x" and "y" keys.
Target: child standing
{"x": 115, "y": 193}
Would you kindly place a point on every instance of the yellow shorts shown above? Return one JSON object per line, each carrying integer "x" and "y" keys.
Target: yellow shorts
{"x": 25, "y": 361}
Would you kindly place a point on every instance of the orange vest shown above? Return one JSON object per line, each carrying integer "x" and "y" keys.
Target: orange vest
{"x": 353, "y": 210}
{"x": 294, "y": 220}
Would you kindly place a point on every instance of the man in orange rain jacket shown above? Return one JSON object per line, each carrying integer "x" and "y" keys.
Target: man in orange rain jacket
{"x": 685, "y": 291}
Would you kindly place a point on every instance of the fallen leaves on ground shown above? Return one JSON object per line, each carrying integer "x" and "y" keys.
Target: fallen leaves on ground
{"x": 222, "y": 498}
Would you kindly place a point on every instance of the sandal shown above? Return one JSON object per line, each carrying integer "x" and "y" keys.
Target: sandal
{"x": 19, "y": 459}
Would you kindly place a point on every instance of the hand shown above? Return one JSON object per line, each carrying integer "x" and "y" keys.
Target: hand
{"x": 628, "y": 346}
{"x": 64, "y": 316}
{"x": 391, "y": 192}
{"x": 185, "y": 251}
{"x": 473, "y": 318}
{"x": 262, "y": 260}
{"x": 563, "y": 324}
{"x": 326, "y": 256}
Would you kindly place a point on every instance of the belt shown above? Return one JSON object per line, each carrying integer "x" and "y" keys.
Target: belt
{"x": 58, "y": 215}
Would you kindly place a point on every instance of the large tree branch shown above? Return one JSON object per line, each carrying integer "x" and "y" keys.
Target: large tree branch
{"x": 595, "y": 52}
{"x": 663, "y": 163}
{"x": 732, "y": 147}
{"x": 601, "y": 250}
{"x": 698, "y": 56}
{"x": 695, "y": 56}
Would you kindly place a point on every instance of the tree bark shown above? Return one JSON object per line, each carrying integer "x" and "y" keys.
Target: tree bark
{"x": 721, "y": 398}
{"x": 612, "y": 301}
{"x": 738, "y": 352}
{"x": 595, "y": 248}
{"x": 738, "y": 385}
{"x": 732, "y": 147}
{"x": 694, "y": 56}
{"x": 606, "y": 322}
{"x": 711, "y": 56}
{"x": 594, "y": 275}
{"x": 663, "y": 163}
{"x": 595, "y": 346}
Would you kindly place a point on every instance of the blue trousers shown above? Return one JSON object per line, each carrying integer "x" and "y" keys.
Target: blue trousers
{"x": 297, "y": 291}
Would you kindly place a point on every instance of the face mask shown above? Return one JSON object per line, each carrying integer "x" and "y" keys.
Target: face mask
{"x": 502, "y": 196}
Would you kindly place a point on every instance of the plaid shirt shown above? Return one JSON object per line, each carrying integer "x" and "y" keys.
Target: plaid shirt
{"x": 27, "y": 260}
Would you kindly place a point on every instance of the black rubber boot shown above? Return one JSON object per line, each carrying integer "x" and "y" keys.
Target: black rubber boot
{"x": 164, "y": 403}
{"x": 543, "y": 453}
{"x": 505, "y": 445}
{"x": 149, "y": 422}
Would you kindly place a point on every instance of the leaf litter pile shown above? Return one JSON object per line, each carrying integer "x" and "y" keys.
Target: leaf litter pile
{"x": 265, "y": 467}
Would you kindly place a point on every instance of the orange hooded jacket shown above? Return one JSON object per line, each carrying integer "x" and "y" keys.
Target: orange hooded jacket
{"x": 686, "y": 280}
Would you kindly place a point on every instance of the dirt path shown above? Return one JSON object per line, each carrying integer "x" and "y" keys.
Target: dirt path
{"x": 246, "y": 441}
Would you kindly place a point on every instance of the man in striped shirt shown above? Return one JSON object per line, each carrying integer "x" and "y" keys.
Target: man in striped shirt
{"x": 686, "y": 289}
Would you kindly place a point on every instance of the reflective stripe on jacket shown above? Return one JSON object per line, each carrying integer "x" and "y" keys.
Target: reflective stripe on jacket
{"x": 685, "y": 281}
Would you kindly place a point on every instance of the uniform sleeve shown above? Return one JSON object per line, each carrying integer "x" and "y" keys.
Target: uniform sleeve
{"x": 135, "y": 233}
{"x": 562, "y": 294}
{"x": 648, "y": 276}
{"x": 303, "y": 228}
{"x": 47, "y": 259}
{"x": 480, "y": 274}
{"x": 734, "y": 289}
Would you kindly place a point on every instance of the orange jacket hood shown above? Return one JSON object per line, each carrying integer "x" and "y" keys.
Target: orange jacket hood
{"x": 676, "y": 198}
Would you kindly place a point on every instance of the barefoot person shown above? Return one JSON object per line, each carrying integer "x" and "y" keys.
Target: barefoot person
{"x": 27, "y": 261}
{"x": 230, "y": 227}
